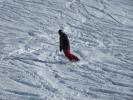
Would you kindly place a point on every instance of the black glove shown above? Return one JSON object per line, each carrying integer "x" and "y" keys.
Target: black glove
{"x": 60, "y": 48}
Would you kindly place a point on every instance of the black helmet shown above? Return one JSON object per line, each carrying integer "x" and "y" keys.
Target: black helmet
{"x": 60, "y": 32}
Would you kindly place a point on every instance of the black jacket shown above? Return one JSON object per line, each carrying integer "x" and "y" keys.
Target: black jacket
{"x": 64, "y": 42}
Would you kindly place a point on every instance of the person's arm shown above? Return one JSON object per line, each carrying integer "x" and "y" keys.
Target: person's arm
{"x": 60, "y": 46}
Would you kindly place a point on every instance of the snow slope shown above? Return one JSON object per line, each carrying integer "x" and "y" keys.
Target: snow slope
{"x": 100, "y": 33}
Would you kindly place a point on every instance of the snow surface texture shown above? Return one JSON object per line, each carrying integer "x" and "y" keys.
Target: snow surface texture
{"x": 100, "y": 33}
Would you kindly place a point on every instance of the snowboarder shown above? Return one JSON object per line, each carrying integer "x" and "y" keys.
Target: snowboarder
{"x": 65, "y": 46}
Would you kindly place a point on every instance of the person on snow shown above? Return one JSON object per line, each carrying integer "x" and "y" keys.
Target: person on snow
{"x": 65, "y": 46}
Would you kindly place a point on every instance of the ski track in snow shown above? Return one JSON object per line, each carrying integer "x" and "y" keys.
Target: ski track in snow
{"x": 100, "y": 32}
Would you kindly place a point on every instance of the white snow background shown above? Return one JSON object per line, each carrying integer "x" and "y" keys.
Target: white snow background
{"x": 100, "y": 33}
